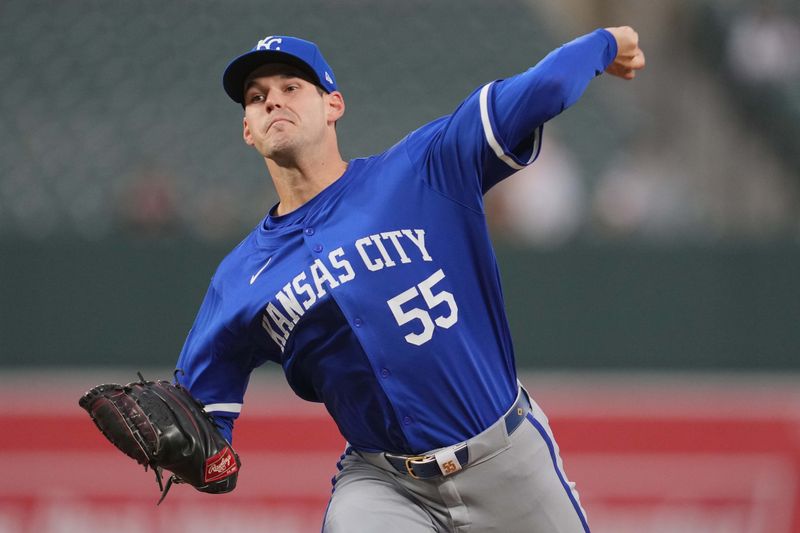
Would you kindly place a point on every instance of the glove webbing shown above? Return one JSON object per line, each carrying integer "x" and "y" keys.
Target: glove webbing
{"x": 173, "y": 479}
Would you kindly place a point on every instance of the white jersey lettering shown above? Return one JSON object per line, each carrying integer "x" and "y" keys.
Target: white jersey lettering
{"x": 290, "y": 304}
{"x": 321, "y": 274}
{"x": 304, "y": 288}
{"x": 372, "y": 265}
{"x": 382, "y": 249}
{"x": 279, "y": 340}
{"x": 394, "y": 236}
{"x": 282, "y": 324}
{"x": 338, "y": 264}
{"x": 419, "y": 241}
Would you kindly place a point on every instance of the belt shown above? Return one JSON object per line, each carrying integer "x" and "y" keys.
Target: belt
{"x": 442, "y": 464}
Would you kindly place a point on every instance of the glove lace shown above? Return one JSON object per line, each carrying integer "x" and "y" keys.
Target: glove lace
{"x": 173, "y": 480}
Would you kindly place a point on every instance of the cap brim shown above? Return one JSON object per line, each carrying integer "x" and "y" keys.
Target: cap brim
{"x": 235, "y": 75}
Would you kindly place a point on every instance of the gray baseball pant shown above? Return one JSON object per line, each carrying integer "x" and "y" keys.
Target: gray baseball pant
{"x": 511, "y": 484}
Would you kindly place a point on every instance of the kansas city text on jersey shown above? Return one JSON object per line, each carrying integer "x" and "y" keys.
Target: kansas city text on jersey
{"x": 377, "y": 251}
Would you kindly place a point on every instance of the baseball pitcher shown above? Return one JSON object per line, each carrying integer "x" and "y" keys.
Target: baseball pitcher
{"x": 374, "y": 285}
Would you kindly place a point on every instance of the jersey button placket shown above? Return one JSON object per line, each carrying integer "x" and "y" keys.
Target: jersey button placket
{"x": 309, "y": 232}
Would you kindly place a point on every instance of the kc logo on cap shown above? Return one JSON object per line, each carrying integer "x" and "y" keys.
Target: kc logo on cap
{"x": 278, "y": 49}
{"x": 267, "y": 42}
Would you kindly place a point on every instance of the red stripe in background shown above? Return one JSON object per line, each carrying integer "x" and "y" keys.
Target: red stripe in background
{"x": 37, "y": 432}
{"x": 304, "y": 433}
{"x": 653, "y": 435}
{"x": 599, "y": 432}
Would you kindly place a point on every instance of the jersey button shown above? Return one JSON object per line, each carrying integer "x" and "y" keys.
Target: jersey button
{"x": 317, "y": 248}
{"x": 358, "y": 322}
{"x": 309, "y": 231}
{"x": 385, "y": 372}
{"x": 407, "y": 420}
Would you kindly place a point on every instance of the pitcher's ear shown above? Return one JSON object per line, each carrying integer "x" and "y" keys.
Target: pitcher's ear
{"x": 335, "y": 106}
{"x": 246, "y": 133}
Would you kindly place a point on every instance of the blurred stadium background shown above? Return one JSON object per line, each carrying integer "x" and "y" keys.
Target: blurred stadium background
{"x": 651, "y": 257}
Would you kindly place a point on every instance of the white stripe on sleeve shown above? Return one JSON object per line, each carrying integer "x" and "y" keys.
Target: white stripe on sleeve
{"x": 224, "y": 407}
{"x": 487, "y": 130}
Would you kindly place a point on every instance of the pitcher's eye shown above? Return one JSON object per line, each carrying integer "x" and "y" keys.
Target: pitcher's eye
{"x": 255, "y": 98}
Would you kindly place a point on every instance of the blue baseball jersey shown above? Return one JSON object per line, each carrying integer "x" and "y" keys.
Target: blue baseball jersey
{"x": 380, "y": 296}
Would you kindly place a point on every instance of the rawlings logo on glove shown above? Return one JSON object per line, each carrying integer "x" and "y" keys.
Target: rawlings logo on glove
{"x": 221, "y": 465}
{"x": 163, "y": 427}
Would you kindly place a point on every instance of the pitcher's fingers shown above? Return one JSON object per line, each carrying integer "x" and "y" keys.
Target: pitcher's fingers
{"x": 638, "y": 62}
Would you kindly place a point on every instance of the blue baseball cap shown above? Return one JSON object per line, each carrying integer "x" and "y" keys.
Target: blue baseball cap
{"x": 278, "y": 49}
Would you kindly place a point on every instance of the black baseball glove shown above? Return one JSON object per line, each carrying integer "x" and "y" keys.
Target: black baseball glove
{"x": 162, "y": 426}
